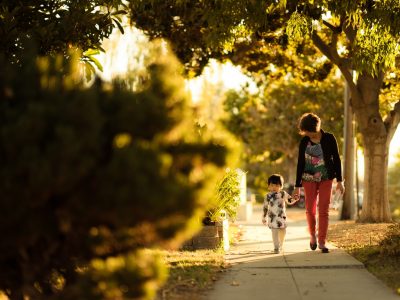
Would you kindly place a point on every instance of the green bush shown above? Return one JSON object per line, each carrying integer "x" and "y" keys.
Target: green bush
{"x": 91, "y": 175}
{"x": 390, "y": 245}
{"x": 226, "y": 196}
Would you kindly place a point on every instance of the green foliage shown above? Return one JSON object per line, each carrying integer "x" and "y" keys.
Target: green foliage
{"x": 375, "y": 50}
{"x": 56, "y": 26}
{"x": 390, "y": 245}
{"x": 199, "y": 30}
{"x": 298, "y": 27}
{"x": 227, "y": 196}
{"x": 91, "y": 175}
{"x": 268, "y": 61}
{"x": 377, "y": 29}
{"x": 111, "y": 278}
{"x": 91, "y": 62}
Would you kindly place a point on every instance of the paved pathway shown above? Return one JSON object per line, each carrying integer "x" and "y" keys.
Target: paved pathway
{"x": 296, "y": 274}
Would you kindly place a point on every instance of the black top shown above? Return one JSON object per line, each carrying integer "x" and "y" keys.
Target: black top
{"x": 331, "y": 157}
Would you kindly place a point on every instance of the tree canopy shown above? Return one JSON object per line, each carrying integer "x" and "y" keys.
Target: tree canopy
{"x": 358, "y": 36}
{"x": 54, "y": 27}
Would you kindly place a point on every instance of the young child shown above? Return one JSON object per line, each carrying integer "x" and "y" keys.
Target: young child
{"x": 275, "y": 209}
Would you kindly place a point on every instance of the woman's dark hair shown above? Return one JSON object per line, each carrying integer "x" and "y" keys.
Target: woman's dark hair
{"x": 275, "y": 179}
{"x": 309, "y": 122}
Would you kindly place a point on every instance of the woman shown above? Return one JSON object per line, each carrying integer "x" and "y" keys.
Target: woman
{"x": 317, "y": 165}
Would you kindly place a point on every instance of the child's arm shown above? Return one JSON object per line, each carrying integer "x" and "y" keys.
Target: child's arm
{"x": 289, "y": 199}
{"x": 265, "y": 210}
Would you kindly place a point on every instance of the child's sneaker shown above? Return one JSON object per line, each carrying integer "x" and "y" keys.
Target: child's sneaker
{"x": 276, "y": 251}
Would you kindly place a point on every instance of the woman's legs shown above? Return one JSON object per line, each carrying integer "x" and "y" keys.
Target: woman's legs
{"x": 311, "y": 193}
{"x": 325, "y": 190}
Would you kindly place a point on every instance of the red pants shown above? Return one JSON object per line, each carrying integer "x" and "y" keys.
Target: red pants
{"x": 321, "y": 190}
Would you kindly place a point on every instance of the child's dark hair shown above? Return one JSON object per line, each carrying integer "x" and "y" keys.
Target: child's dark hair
{"x": 309, "y": 122}
{"x": 275, "y": 179}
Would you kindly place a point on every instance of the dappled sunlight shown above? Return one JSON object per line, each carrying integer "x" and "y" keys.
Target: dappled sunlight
{"x": 254, "y": 263}
{"x": 286, "y": 259}
{"x": 256, "y": 244}
{"x": 297, "y": 270}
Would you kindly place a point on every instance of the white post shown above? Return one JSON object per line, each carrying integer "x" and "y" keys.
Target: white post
{"x": 245, "y": 208}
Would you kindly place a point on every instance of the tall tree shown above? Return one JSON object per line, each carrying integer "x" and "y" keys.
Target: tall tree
{"x": 353, "y": 35}
{"x": 372, "y": 30}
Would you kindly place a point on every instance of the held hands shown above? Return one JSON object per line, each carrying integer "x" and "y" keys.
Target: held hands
{"x": 296, "y": 194}
{"x": 264, "y": 221}
{"x": 293, "y": 200}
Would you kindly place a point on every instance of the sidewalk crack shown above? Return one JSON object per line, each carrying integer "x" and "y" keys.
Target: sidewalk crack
{"x": 294, "y": 279}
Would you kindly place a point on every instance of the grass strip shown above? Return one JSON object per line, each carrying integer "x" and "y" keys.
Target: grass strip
{"x": 364, "y": 242}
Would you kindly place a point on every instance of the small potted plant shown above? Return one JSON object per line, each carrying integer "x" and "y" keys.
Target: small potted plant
{"x": 224, "y": 206}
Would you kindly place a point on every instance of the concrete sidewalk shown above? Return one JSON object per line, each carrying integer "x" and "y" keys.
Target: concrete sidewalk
{"x": 297, "y": 273}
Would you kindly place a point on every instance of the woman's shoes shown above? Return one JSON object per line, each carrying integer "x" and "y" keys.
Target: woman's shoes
{"x": 323, "y": 249}
{"x": 313, "y": 246}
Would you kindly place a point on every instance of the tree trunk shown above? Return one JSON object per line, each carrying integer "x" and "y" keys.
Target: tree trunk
{"x": 376, "y": 141}
{"x": 375, "y": 207}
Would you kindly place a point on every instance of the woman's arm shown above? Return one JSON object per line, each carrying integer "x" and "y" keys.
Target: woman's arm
{"x": 301, "y": 161}
{"x": 337, "y": 163}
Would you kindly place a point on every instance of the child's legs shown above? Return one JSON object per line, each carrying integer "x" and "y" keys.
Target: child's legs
{"x": 325, "y": 190}
{"x": 311, "y": 193}
{"x": 281, "y": 234}
{"x": 275, "y": 237}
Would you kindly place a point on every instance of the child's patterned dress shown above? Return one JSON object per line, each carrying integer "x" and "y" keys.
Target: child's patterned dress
{"x": 275, "y": 209}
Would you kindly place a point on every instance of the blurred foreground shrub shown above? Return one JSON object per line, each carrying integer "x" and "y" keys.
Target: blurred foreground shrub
{"x": 390, "y": 245}
{"x": 91, "y": 175}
